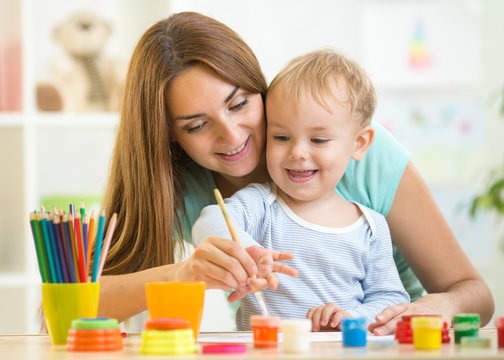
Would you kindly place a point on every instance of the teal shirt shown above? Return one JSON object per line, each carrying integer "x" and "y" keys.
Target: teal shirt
{"x": 372, "y": 182}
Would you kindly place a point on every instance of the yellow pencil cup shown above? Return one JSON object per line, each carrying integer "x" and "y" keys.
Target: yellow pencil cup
{"x": 63, "y": 303}
{"x": 426, "y": 332}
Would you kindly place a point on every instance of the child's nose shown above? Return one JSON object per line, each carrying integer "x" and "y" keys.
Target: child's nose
{"x": 298, "y": 152}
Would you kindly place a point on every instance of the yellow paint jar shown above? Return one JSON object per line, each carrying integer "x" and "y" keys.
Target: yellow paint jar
{"x": 426, "y": 332}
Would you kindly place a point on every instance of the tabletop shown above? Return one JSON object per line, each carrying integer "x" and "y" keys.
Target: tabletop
{"x": 35, "y": 347}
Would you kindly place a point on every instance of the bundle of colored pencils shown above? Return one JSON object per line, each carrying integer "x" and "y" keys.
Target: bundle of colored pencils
{"x": 63, "y": 243}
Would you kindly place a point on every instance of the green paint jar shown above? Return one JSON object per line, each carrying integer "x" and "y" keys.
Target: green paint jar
{"x": 465, "y": 325}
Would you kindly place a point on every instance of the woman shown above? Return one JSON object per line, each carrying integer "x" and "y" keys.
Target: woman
{"x": 192, "y": 119}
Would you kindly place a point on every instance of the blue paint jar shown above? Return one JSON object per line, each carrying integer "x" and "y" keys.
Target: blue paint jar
{"x": 354, "y": 331}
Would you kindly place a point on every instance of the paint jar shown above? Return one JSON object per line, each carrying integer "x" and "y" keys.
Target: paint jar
{"x": 265, "y": 330}
{"x": 165, "y": 336}
{"x": 94, "y": 334}
{"x": 499, "y": 324}
{"x": 354, "y": 331}
{"x": 404, "y": 334}
{"x": 296, "y": 335}
{"x": 465, "y": 325}
{"x": 426, "y": 332}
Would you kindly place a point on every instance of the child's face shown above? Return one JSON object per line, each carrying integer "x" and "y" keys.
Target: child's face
{"x": 308, "y": 150}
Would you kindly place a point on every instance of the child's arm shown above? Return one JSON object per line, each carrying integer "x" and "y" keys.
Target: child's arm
{"x": 382, "y": 286}
{"x": 247, "y": 212}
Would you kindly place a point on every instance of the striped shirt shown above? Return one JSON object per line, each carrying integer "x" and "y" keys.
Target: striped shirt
{"x": 351, "y": 266}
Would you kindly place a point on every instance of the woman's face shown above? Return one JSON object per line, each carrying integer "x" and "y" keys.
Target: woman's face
{"x": 220, "y": 126}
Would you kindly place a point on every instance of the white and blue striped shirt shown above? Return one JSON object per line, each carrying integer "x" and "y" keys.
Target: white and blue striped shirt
{"x": 350, "y": 266}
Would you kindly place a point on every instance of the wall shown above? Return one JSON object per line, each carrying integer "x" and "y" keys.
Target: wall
{"x": 454, "y": 158}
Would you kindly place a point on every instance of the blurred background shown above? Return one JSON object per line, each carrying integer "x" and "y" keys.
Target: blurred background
{"x": 437, "y": 66}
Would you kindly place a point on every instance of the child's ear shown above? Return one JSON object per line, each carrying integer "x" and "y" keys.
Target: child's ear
{"x": 363, "y": 141}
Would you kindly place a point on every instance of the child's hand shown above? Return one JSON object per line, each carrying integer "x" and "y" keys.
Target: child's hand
{"x": 268, "y": 264}
{"x": 326, "y": 317}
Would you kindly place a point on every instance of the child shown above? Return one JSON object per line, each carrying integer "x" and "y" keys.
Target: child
{"x": 319, "y": 110}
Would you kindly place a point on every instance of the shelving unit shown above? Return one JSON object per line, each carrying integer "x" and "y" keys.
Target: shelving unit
{"x": 43, "y": 154}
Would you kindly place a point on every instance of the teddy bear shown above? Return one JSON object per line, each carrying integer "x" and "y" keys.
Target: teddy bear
{"x": 83, "y": 78}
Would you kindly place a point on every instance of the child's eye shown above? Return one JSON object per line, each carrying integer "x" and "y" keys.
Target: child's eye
{"x": 281, "y": 138}
{"x": 239, "y": 105}
{"x": 319, "y": 140}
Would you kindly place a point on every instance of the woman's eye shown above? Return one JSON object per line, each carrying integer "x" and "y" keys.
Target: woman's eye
{"x": 195, "y": 128}
{"x": 280, "y": 138}
{"x": 239, "y": 105}
{"x": 319, "y": 140}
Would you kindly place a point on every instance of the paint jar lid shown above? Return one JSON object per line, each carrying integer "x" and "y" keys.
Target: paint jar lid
{"x": 224, "y": 348}
{"x": 353, "y": 323}
{"x": 167, "y": 324}
{"x": 296, "y": 325}
{"x": 266, "y": 321}
{"x": 472, "y": 319}
{"x": 94, "y": 323}
{"x": 408, "y": 317}
{"x": 499, "y": 322}
{"x": 426, "y": 322}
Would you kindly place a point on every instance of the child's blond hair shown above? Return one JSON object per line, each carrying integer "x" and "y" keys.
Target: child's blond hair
{"x": 316, "y": 72}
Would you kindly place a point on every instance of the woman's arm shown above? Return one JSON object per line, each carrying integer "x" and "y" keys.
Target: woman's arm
{"x": 221, "y": 263}
{"x": 424, "y": 238}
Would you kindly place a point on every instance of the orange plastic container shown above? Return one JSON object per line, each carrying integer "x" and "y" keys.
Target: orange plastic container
{"x": 177, "y": 299}
{"x": 94, "y": 334}
{"x": 265, "y": 330}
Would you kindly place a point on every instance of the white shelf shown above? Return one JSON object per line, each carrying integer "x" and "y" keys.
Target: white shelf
{"x": 8, "y": 119}
{"x": 78, "y": 120}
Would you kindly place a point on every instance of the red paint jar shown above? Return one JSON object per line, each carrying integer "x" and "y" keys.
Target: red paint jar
{"x": 499, "y": 324}
{"x": 265, "y": 330}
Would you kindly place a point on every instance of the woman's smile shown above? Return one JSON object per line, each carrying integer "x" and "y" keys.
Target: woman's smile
{"x": 237, "y": 153}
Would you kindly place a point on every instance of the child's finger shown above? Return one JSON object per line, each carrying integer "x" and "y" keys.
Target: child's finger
{"x": 338, "y": 315}
{"x": 327, "y": 313}
{"x": 272, "y": 281}
{"x": 284, "y": 269}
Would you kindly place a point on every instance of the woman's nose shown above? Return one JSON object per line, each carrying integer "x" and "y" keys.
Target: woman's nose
{"x": 228, "y": 132}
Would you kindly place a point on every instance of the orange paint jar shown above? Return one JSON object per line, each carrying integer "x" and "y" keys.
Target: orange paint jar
{"x": 265, "y": 330}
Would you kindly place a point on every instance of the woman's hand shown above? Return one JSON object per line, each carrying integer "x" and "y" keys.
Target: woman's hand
{"x": 326, "y": 317}
{"x": 224, "y": 264}
{"x": 221, "y": 263}
{"x": 429, "y": 304}
{"x": 268, "y": 264}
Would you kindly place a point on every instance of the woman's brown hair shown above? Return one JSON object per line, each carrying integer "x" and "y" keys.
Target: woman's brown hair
{"x": 145, "y": 187}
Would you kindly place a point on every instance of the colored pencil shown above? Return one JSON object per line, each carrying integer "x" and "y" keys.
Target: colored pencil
{"x": 38, "y": 247}
{"x": 85, "y": 238}
{"x": 257, "y": 293}
{"x": 47, "y": 244}
{"x": 98, "y": 243}
{"x": 55, "y": 249}
{"x": 80, "y": 249}
{"x": 106, "y": 245}
{"x": 71, "y": 231}
{"x": 91, "y": 236}
{"x": 68, "y": 240}
{"x": 61, "y": 248}
{"x": 82, "y": 209}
